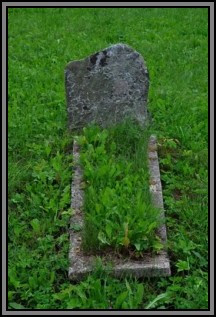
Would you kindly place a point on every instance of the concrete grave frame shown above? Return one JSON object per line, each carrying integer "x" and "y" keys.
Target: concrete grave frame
{"x": 82, "y": 264}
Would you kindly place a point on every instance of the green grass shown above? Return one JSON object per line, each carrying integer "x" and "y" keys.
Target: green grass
{"x": 118, "y": 212}
{"x": 41, "y": 42}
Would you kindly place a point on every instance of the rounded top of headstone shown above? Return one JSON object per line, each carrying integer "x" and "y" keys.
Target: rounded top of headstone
{"x": 119, "y": 47}
{"x": 107, "y": 87}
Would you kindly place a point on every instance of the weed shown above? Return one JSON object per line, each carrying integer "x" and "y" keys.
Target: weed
{"x": 174, "y": 43}
{"x": 117, "y": 210}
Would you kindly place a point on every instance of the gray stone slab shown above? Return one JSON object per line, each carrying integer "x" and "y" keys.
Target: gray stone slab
{"x": 106, "y": 87}
{"x": 82, "y": 264}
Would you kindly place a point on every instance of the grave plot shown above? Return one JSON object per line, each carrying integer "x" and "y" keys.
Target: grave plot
{"x": 106, "y": 89}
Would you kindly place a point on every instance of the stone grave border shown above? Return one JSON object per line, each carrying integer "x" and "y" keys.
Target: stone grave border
{"x": 81, "y": 264}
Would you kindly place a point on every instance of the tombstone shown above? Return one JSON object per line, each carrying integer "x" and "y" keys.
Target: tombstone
{"x": 107, "y": 87}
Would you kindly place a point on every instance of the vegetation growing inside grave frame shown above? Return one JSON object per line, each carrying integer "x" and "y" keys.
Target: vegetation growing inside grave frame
{"x": 118, "y": 212}
{"x": 174, "y": 42}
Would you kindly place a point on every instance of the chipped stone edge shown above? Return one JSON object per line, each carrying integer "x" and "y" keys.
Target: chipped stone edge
{"x": 81, "y": 264}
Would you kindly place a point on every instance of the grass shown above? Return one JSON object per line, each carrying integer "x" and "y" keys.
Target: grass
{"x": 118, "y": 211}
{"x": 41, "y": 41}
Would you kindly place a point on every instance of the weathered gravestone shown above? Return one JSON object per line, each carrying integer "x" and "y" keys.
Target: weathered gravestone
{"x": 107, "y": 87}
